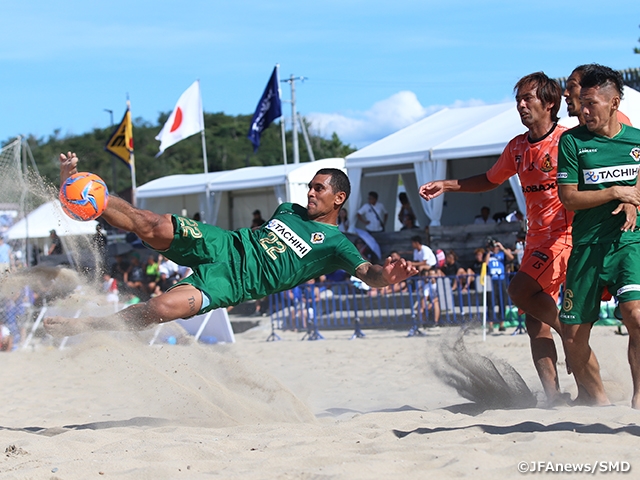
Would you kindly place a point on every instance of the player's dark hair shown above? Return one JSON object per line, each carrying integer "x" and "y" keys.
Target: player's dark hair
{"x": 339, "y": 181}
{"x": 580, "y": 70}
{"x": 417, "y": 238}
{"x": 548, "y": 90}
{"x": 600, "y": 76}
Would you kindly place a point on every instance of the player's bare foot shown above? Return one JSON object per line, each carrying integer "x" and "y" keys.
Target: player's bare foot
{"x": 68, "y": 166}
{"x": 64, "y": 327}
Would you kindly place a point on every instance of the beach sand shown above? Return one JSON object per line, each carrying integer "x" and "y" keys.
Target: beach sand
{"x": 110, "y": 406}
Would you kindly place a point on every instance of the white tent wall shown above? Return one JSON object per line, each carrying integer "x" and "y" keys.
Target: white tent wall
{"x": 233, "y": 194}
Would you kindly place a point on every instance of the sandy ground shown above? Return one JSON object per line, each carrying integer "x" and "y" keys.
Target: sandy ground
{"x": 109, "y": 406}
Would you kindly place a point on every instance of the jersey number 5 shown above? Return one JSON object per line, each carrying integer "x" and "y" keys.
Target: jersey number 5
{"x": 272, "y": 245}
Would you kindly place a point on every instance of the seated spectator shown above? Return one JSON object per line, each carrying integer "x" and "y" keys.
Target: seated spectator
{"x": 423, "y": 257}
{"x": 134, "y": 278}
{"x": 151, "y": 273}
{"x": 484, "y": 218}
{"x": 459, "y": 275}
{"x": 257, "y": 221}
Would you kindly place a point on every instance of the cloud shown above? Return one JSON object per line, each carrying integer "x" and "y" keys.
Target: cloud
{"x": 383, "y": 118}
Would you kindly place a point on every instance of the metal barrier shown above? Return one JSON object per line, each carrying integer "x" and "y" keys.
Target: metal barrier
{"x": 353, "y": 305}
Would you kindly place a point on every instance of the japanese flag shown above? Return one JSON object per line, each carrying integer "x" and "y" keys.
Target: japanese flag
{"x": 185, "y": 120}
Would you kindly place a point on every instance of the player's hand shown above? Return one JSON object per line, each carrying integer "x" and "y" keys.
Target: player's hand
{"x": 628, "y": 195}
{"x": 394, "y": 272}
{"x": 431, "y": 190}
{"x": 630, "y": 213}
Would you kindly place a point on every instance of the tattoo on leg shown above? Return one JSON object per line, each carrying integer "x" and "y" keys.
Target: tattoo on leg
{"x": 192, "y": 304}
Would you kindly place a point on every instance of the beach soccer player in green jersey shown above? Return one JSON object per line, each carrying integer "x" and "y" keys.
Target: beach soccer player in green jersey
{"x": 296, "y": 245}
{"x": 597, "y": 171}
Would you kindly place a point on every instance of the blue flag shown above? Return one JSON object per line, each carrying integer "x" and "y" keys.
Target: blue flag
{"x": 269, "y": 108}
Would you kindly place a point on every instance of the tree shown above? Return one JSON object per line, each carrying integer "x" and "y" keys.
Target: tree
{"x": 227, "y": 148}
{"x": 637, "y": 50}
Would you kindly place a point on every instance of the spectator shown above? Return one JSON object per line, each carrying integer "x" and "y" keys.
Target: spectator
{"x": 56, "y": 244}
{"x": 495, "y": 259}
{"x": 151, "y": 273}
{"x": 119, "y": 269}
{"x": 484, "y": 218}
{"x": 343, "y": 221}
{"x": 257, "y": 221}
{"x": 5, "y": 256}
{"x": 430, "y": 299}
{"x": 423, "y": 257}
{"x": 365, "y": 251}
{"x": 406, "y": 216}
{"x": 134, "y": 278}
{"x": 373, "y": 214}
{"x": 459, "y": 275}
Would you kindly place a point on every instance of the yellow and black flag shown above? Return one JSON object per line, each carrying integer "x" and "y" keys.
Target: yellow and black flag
{"x": 120, "y": 143}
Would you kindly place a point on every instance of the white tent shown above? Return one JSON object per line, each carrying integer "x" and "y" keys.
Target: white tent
{"x": 452, "y": 143}
{"x": 49, "y": 216}
{"x": 228, "y": 198}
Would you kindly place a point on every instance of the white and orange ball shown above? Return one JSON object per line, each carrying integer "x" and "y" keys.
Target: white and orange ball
{"x": 84, "y": 196}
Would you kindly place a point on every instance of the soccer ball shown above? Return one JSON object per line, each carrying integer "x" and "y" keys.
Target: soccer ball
{"x": 84, "y": 196}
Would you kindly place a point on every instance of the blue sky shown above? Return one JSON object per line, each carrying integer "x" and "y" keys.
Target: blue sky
{"x": 372, "y": 66}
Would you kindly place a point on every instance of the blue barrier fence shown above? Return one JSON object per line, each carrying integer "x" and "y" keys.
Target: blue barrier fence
{"x": 351, "y": 305}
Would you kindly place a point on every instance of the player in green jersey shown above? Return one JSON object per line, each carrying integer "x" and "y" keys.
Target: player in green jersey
{"x": 296, "y": 245}
{"x": 597, "y": 171}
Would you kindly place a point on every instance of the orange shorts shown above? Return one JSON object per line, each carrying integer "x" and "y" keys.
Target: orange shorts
{"x": 547, "y": 265}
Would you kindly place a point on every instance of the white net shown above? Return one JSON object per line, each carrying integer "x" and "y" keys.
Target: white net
{"x": 13, "y": 186}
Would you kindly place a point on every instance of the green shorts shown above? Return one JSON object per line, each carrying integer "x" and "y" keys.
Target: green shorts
{"x": 592, "y": 267}
{"x": 214, "y": 256}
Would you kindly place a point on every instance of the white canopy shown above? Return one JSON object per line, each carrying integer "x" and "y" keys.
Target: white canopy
{"x": 228, "y": 198}
{"x": 49, "y": 216}
{"x": 420, "y": 153}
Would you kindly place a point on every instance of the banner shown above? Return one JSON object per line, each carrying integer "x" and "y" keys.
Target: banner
{"x": 120, "y": 144}
{"x": 269, "y": 108}
{"x": 186, "y": 119}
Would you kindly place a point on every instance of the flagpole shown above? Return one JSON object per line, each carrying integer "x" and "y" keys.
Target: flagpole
{"x": 282, "y": 128}
{"x": 132, "y": 162}
{"x": 204, "y": 143}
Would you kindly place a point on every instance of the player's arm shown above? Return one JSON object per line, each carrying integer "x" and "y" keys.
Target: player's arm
{"x": 574, "y": 199}
{"x": 475, "y": 184}
{"x": 380, "y": 276}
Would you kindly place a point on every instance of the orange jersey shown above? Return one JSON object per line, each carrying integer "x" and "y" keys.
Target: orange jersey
{"x": 622, "y": 118}
{"x": 536, "y": 164}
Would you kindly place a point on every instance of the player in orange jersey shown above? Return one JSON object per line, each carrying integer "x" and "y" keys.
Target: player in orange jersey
{"x": 534, "y": 157}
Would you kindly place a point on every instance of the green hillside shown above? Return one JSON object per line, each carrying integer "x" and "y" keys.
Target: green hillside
{"x": 227, "y": 148}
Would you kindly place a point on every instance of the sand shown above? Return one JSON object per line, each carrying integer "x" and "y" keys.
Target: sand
{"x": 109, "y": 406}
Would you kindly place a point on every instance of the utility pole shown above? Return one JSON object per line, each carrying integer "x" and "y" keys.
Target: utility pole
{"x": 113, "y": 159}
{"x": 294, "y": 116}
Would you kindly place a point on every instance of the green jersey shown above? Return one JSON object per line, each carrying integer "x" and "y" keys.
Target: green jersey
{"x": 290, "y": 249}
{"x": 594, "y": 162}
{"x": 231, "y": 267}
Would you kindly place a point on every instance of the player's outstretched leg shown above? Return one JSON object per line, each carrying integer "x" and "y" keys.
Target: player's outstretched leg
{"x": 182, "y": 301}
{"x": 156, "y": 230}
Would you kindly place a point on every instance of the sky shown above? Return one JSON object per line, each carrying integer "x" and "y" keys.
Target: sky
{"x": 371, "y": 67}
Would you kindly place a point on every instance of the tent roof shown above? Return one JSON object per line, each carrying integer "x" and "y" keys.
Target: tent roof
{"x": 414, "y": 142}
{"x": 463, "y": 133}
{"x": 239, "y": 179}
{"x": 49, "y": 216}
{"x": 177, "y": 185}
